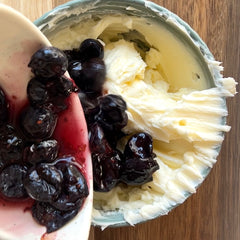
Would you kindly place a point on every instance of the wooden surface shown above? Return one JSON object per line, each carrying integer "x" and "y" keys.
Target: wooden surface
{"x": 213, "y": 213}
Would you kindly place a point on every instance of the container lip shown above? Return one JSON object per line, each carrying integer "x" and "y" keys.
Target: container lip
{"x": 154, "y": 8}
{"x": 116, "y": 218}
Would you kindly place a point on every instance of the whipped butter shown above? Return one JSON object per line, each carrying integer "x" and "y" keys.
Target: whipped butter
{"x": 169, "y": 96}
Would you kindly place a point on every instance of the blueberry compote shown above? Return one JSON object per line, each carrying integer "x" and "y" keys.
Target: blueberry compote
{"x": 33, "y": 164}
{"x": 106, "y": 117}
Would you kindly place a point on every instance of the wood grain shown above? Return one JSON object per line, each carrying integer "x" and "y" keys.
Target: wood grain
{"x": 213, "y": 213}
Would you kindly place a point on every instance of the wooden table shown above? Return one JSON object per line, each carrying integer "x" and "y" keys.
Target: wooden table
{"x": 213, "y": 213}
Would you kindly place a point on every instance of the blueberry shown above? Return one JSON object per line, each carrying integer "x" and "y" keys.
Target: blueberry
{"x": 106, "y": 170}
{"x": 48, "y": 62}
{"x": 11, "y": 182}
{"x": 112, "y": 115}
{"x": 97, "y": 140}
{"x": 45, "y": 151}
{"x": 54, "y": 92}
{"x": 3, "y": 108}
{"x": 37, "y": 123}
{"x": 11, "y": 145}
{"x": 139, "y": 163}
{"x": 74, "y": 186}
{"x": 37, "y": 92}
{"x": 90, "y": 106}
{"x": 43, "y": 182}
{"x": 65, "y": 87}
{"x": 106, "y": 161}
{"x": 91, "y": 48}
{"x": 59, "y": 89}
{"x": 137, "y": 171}
{"x": 139, "y": 146}
{"x": 75, "y": 70}
{"x": 89, "y": 75}
{"x": 50, "y": 217}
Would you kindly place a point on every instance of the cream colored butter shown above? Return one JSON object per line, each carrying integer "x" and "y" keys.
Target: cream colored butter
{"x": 172, "y": 52}
{"x": 169, "y": 97}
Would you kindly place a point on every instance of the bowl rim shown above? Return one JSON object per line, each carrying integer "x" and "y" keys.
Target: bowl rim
{"x": 190, "y": 34}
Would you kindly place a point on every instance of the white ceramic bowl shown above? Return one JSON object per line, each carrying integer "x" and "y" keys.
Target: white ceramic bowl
{"x": 76, "y": 11}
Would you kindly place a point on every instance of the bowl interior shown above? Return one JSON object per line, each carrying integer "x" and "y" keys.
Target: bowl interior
{"x": 76, "y": 11}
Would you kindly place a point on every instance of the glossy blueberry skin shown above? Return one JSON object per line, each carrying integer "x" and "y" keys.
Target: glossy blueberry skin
{"x": 91, "y": 48}
{"x": 90, "y": 75}
{"x": 74, "y": 186}
{"x": 11, "y": 146}
{"x": 97, "y": 140}
{"x": 50, "y": 217}
{"x": 139, "y": 146}
{"x": 41, "y": 152}
{"x": 75, "y": 70}
{"x": 48, "y": 62}
{"x": 137, "y": 171}
{"x": 112, "y": 115}
{"x": 11, "y": 182}
{"x": 37, "y": 92}
{"x": 43, "y": 182}
{"x": 37, "y": 123}
{"x": 90, "y": 106}
{"x": 139, "y": 164}
{"x": 106, "y": 170}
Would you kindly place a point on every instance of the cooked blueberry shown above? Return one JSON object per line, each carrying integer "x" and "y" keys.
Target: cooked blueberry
{"x": 106, "y": 170}
{"x": 139, "y": 163}
{"x": 112, "y": 115}
{"x": 65, "y": 87}
{"x": 97, "y": 140}
{"x": 90, "y": 75}
{"x": 137, "y": 171}
{"x": 37, "y": 92}
{"x": 74, "y": 187}
{"x": 91, "y": 48}
{"x": 139, "y": 146}
{"x": 11, "y": 182}
{"x": 11, "y": 145}
{"x": 50, "y": 217}
{"x": 45, "y": 151}
{"x": 59, "y": 87}
{"x": 75, "y": 70}
{"x": 90, "y": 106}
{"x": 48, "y": 62}
{"x": 3, "y": 108}
{"x": 43, "y": 182}
{"x": 38, "y": 123}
